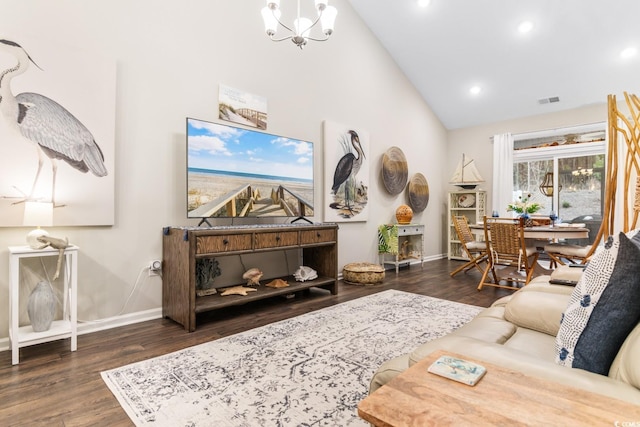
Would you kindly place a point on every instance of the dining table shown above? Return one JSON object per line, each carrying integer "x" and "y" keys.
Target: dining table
{"x": 545, "y": 232}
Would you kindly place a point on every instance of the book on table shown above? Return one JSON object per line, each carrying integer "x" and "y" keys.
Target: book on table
{"x": 459, "y": 370}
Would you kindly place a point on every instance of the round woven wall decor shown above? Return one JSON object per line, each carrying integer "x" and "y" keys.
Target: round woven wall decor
{"x": 418, "y": 193}
{"x": 394, "y": 170}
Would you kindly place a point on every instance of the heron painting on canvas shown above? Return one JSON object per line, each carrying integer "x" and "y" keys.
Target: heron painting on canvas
{"x": 346, "y": 172}
{"x": 52, "y": 151}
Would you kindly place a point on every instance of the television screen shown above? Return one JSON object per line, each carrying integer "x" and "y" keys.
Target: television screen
{"x": 236, "y": 172}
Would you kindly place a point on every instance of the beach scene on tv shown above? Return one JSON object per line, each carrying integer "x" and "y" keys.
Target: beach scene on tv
{"x": 235, "y": 172}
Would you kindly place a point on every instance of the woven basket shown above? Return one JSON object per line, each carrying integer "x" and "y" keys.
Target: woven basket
{"x": 363, "y": 273}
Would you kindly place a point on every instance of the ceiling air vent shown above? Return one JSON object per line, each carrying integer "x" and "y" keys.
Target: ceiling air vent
{"x": 549, "y": 100}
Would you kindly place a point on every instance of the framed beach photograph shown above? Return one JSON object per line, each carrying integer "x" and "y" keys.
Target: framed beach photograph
{"x": 235, "y": 105}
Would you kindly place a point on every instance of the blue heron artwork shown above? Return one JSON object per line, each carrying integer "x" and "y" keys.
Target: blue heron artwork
{"x": 50, "y": 153}
{"x": 346, "y": 173}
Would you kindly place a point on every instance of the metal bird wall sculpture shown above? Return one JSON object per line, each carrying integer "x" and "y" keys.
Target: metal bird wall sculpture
{"x": 56, "y": 133}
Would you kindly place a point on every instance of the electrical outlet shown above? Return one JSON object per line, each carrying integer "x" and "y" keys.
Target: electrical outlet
{"x": 155, "y": 267}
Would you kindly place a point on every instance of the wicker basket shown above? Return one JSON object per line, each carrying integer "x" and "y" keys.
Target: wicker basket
{"x": 363, "y": 273}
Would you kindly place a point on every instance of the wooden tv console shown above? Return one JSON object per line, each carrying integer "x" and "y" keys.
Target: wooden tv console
{"x": 181, "y": 246}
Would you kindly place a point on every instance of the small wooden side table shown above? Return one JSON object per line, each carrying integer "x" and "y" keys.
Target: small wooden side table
{"x": 405, "y": 233}
{"x": 503, "y": 397}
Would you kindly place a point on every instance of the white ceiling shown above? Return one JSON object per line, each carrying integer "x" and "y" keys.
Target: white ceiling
{"x": 573, "y": 52}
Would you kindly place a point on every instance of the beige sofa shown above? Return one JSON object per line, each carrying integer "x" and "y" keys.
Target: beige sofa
{"x": 518, "y": 332}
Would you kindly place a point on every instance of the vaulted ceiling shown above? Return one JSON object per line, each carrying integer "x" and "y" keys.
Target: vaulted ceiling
{"x": 572, "y": 52}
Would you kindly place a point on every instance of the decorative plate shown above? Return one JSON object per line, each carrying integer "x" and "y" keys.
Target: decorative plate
{"x": 418, "y": 192}
{"x": 466, "y": 200}
{"x": 394, "y": 170}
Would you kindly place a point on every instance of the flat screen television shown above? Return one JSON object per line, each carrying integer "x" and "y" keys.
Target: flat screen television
{"x": 234, "y": 172}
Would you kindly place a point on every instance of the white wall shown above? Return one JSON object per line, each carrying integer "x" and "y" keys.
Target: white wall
{"x": 171, "y": 56}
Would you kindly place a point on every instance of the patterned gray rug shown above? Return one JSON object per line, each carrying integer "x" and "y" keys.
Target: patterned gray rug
{"x": 311, "y": 370}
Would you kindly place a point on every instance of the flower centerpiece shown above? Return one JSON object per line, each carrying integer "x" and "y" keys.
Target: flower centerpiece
{"x": 524, "y": 206}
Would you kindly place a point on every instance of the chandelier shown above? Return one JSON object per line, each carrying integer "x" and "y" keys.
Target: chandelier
{"x": 582, "y": 172}
{"x": 300, "y": 33}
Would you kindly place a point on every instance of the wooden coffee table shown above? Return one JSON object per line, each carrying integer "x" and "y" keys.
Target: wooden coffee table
{"x": 503, "y": 397}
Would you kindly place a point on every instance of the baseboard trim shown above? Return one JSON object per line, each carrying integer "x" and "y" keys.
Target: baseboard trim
{"x": 90, "y": 326}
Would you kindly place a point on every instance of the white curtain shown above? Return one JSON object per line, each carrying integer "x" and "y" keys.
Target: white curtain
{"x": 502, "y": 173}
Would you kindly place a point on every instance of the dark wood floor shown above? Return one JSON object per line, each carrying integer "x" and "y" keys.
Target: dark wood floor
{"x": 54, "y": 387}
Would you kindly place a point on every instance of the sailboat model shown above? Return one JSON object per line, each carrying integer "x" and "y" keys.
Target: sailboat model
{"x": 466, "y": 175}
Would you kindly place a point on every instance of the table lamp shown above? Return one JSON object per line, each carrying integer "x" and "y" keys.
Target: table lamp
{"x": 38, "y": 214}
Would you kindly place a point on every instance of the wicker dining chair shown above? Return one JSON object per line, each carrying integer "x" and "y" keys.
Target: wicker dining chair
{"x": 507, "y": 247}
{"x": 563, "y": 253}
{"x": 475, "y": 251}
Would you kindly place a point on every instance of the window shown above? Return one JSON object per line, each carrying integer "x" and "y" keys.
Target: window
{"x": 576, "y": 189}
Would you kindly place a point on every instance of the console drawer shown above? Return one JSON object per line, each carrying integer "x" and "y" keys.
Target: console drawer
{"x": 276, "y": 240}
{"x": 229, "y": 243}
{"x": 317, "y": 236}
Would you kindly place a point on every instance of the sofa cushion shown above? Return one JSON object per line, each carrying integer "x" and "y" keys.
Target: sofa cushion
{"x": 603, "y": 309}
{"x": 540, "y": 311}
{"x": 615, "y": 314}
{"x": 533, "y": 343}
{"x": 488, "y": 326}
{"x": 625, "y": 367}
{"x": 541, "y": 284}
{"x": 388, "y": 371}
{"x": 566, "y": 272}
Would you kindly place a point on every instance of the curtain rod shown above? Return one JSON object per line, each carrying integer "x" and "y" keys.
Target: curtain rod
{"x": 558, "y": 131}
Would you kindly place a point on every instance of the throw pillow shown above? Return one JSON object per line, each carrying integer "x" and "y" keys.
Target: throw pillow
{"x": 584, "y": 298}
{"x": 616, "y": 313}
{"x": 585, "y": 294}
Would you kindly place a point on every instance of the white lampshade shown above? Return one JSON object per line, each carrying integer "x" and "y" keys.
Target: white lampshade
{"x": 328, "y": 19}
{"x": 38, "y": 214}
{"x": 302, "y": 26}
{"x": 270, "y": 18}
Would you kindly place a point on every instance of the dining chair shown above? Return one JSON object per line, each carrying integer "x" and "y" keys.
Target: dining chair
{"x": 507, "y": 248}
{"x": 573, "y": 254}
{"x": 576, "y": 252}
{"x": 476, "y": 251}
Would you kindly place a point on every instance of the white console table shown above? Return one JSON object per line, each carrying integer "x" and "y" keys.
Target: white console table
{"x": 406, "y": 232}
{"x": 23, "y": 336}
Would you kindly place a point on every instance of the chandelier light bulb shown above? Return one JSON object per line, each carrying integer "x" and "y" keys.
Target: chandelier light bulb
{"x": 302, "y": 26}
{"x": 328, "y": 20}
{"x": 270, "y": 18}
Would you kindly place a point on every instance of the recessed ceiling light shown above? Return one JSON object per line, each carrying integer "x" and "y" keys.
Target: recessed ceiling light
{"x": 475, "y": 90}
{"x": 628, "y": 52}
{"x": 525, "y": 26}
{"x": 423, "y": 3}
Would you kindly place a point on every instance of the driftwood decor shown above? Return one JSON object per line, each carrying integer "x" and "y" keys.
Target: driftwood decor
{"x": 623, "y": 169}
{"x": 623, "y": 162}
{"x": 56, "y": 243}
